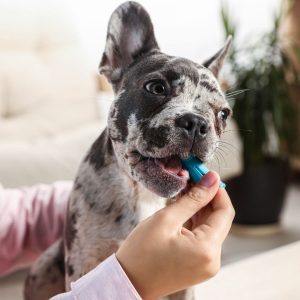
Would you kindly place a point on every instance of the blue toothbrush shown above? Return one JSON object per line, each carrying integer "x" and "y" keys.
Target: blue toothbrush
{"x": 196, "y": 169}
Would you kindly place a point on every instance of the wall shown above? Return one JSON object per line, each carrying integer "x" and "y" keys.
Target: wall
{"x": 185, "y": 28}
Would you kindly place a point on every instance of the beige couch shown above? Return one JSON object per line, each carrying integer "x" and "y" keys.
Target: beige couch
{"x": 48, "y": 109}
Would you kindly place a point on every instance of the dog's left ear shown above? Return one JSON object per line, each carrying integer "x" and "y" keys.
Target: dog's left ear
{"x": 215, "y": 63}
{"x": 130, "y": 35}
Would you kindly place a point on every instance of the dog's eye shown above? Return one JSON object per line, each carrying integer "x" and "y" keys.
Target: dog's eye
{"x": 223, "y": 114}
{"x": 155, "y": 87}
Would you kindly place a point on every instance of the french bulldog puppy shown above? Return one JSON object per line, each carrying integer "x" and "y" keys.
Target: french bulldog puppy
{"x": 165, "y": 108}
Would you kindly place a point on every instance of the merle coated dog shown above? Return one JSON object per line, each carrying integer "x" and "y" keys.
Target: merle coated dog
{"x": 165, "y": 107}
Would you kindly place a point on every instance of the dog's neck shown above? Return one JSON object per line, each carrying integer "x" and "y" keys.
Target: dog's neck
{"x": 109, "y": 193}
{"x": 148, "y": 203}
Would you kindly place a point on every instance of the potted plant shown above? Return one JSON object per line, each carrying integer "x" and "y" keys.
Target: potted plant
{"x": 266, "y": 120}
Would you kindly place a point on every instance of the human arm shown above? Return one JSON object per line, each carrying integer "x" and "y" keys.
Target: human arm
{"x": 185, "y": 238}
{"x": 107, "y": 281}
{"x": 31, "y": 220}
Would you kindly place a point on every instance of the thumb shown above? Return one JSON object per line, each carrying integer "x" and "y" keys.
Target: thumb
{"x": 195, "y": 199}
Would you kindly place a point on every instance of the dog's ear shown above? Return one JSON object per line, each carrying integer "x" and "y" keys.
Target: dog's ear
{"x": 130, "y": 35}
{"x": 215, "y": 63}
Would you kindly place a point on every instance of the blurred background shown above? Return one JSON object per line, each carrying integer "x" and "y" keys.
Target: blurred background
{"x": 53, "y": 105}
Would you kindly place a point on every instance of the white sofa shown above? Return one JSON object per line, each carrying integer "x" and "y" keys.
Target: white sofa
{"x": 48, "y": 110}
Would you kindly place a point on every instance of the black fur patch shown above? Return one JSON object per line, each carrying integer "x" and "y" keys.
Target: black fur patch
{"x": 187, "y": 68}
{"x": 70, "y": 269}
{"x": 156, "y": 136}
{"x": 59, "y": 260}
{"x": 171, "y": 75}
{"x": 77, "y": 185}
{"x": 92, "y": 205}
{"x": 119, "y": 218}
{"x": 204, "y": 77}
{"x": 70, "y": 229}
{"x": 121, "y": 123}
{"x": 99, "y": 149}
{"x": 177, "y": 86}
{"x": 208, "y": 86}
{"x": 109, "y": 208}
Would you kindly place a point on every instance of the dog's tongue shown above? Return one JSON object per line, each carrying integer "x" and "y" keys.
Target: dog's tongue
{"x": 171, "y": 164}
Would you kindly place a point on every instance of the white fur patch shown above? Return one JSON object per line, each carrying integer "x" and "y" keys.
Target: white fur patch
{"x": 148, "y": 203}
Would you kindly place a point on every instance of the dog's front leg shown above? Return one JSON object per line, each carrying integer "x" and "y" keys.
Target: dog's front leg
{"x": 46, "y": 276}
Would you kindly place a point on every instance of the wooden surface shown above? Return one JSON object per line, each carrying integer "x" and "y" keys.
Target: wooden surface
{"x": 273, "y": 275}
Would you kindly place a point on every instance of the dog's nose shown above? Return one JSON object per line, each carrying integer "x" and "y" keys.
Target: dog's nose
{"x": 193, "y": 125}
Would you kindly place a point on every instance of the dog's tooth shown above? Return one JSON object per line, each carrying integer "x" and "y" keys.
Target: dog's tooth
{"x": 184, "y": 155}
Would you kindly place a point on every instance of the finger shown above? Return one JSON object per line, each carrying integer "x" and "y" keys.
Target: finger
{"x": 195, "y": 199}
{"x": 221, "y": 217}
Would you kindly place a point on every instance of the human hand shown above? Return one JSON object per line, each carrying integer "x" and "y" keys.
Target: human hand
{"x": 180, "y": 245}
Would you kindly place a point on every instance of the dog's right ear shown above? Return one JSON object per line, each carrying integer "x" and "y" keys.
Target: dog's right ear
{"x": 130, "y": 35}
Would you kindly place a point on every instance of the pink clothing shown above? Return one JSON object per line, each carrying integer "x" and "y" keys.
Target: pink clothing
{"x": 107, "y": 281}
{"x": 31, "y": 220}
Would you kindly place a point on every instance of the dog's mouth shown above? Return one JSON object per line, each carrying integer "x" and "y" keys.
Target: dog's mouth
{"x": 172, "y": 166}
{"x": 164, "y": 176}
{"x": 164, "y": 168}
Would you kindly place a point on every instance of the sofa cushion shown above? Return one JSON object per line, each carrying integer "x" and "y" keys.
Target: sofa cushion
{"x": 47, "y": 160}
{"x": 46, "y": 83}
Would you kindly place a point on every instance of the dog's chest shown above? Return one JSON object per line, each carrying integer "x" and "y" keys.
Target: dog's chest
{"x": 148, "y": 203}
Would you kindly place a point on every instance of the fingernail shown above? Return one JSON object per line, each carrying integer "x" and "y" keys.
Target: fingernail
{"x": 208, "y": 179}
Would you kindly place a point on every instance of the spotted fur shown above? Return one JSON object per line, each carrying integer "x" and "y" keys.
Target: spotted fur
{"x": 118, "y": 184}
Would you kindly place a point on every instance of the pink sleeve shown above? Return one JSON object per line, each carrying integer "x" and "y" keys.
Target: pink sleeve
{"x": 31, "y": 220}
{"x": 107, "y": 281}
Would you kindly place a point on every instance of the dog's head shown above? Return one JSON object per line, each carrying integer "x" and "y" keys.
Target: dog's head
{"x": 166, "y": 107}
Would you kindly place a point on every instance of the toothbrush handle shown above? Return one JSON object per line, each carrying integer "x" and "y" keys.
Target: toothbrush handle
{"x": 197, "y": 169}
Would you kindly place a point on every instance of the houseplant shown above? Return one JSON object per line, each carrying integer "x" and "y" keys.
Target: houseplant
{"x": 266, "y": 120}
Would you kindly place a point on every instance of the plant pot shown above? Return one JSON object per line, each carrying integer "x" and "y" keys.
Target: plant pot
{"x": 258, "y": 194}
